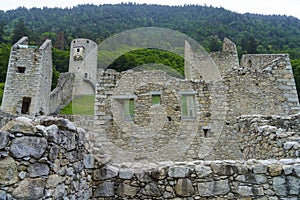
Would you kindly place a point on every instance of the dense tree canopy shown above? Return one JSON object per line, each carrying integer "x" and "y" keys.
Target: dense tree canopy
{"x": 207, "y": 25}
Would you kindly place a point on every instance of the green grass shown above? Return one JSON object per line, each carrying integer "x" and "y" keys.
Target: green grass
{"x": 155, "y": 99}
{"x": 83, "y": 105}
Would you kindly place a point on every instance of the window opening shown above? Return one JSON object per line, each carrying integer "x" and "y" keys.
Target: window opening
{"x": 128, "y": 106}
{"x": 21, "y": 69}
{"x": 26, "y": 105}
{"x": 156, "y": 98}
{"x": 188, "y": 106}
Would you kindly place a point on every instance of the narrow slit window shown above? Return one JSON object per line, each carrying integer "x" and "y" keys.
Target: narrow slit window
{"x": 26, "y": 105}
{"x": 128, "y": 105}
{"x": 188, "y": 106}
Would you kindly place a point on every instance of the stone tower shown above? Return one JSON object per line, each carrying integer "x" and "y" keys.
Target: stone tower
{"x": 83, "y": 63}
{"x": 28, "y": 81}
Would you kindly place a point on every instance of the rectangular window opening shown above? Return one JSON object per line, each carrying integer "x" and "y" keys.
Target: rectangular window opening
{"x": 156, "y": 99}
{"x": 128, "y": 105}
{"x": 25, "y": 105}
{"x": 188, "y": 107}
{"x": 21, "y": 69}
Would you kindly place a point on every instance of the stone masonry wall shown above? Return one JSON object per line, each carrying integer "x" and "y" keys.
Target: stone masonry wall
{"x": 63, "y": 93}
{"x": 43, "y": 159}
{"x": 252, "y": 179}
{"x": 156, "y": 132}
{"x": 29, "y": 75}
{"x": 268, "y": 137}
{"x": 267, "y": 87}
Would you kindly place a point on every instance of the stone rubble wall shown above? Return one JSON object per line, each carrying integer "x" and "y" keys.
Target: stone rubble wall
{"x": 170, "y": 135}
{"x": 63, "y": 93}
{"x": 43, "y": 159}
{"x": 46, "y": 158}
{"x": 267, "y": 137}
{"x": 252, "y": 179}
{"x": 265, "y": 88}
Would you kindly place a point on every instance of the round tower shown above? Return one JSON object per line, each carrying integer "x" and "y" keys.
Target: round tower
{"x": 83, "y": 63}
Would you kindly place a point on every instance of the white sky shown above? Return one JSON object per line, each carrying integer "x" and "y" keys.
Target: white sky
{"x": 282, "y": 7}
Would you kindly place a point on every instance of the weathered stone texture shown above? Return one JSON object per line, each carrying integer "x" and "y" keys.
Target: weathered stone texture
{"x": 43, "y": 159}
{"x": 83, "y": 62}
{"x": 28, "y": 146}
{"x": 30, "y": 189}
{"x": 29, "y": 76}
{"x": 8, "y": 171}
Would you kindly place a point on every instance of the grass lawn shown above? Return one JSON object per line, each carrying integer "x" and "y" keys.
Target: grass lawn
{"x": 83, "y": 105}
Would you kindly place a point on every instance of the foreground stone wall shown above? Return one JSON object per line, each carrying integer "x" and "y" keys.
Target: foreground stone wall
{"x": 46, "y": 158}
{"x": 267, "y": 137}
{"x": 252, "y": 179}
{"x": 43, "y": 159}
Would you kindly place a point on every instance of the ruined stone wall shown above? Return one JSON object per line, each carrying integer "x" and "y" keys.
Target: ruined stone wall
{"x": 267, "y": 137}
{"x": 266, "y": 88}
{"x": 63, "y": 93}
{"x": 43, "y": 158}
{"x": 29, "y": 75}
{"x": 156, "y": 132}
{"x": 45, "y": 78}
{"x": 252, "y": 179}
{"x": 83, "y": 63}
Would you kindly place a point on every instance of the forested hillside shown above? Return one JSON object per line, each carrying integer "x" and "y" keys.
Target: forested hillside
{"x": 207, "y": 25}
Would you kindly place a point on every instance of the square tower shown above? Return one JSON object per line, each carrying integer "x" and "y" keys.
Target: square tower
{"x": 28, "y": 81}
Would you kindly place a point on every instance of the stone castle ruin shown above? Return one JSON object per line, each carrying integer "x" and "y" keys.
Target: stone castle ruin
{"x": 177, "y": 129}
{"x": 29, "y": 76}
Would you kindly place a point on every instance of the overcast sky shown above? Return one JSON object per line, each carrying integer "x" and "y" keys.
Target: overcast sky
{"x": 282, "y": 7}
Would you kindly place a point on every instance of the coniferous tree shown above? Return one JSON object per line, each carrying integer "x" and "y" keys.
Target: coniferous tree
{"x": 19, "y": 31}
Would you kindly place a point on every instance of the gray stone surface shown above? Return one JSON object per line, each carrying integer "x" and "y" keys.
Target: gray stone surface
{"x": 279, "y": 186}
{"x": 38, "y": 169}
{"x": 179, "y": 171}
{"x": 21, "y": 125}
{"x": 106, "y": 172}
{"x": 105, "y": 189}
{"x": 126, "y": 173}
{"x": 127, "y": 190}
{"x": 28, "y": 146}
{"x": 212, "y": 188}
{"x": 30, "y": 189}
{"x": 202, "y": 171}
{"x": 60, "y": 191}
{"x": 152, "y": 189}
{"x": 293, "y": 185}
{"x": 3, "y": 138}
{"x": 297, "y": 170}
{"x": 245, "y": 191}
{"x": 88, "y": 161}
{"x": 8, "y": 171}
{"x": 184, "y": 188}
